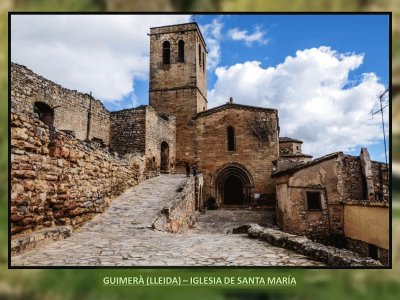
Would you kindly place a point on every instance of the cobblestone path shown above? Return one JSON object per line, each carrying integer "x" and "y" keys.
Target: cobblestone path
{"x": 122, "y": 236}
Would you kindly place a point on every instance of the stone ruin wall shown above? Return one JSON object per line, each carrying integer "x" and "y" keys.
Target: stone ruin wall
{"x": 71, "y": 108}
{"x": 57, "y": 179}
{"x": 353, "y": 179}
{"x": 127, "y": 130}
{"x": 380, "y": 177}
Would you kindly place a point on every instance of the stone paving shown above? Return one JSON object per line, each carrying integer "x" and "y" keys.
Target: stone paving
{"x": 122, "y": 236}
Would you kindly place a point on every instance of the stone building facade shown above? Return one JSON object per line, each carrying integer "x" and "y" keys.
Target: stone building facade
{"x": 70, "y": 155}
{"x": 236, "y": 163}
{"x": 178, "y": 81}
{"x": 331, "y": 199}
{"x": 142, "y": 131}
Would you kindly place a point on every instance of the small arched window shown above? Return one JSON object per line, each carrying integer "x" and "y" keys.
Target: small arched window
{"x": 230, "y": 132}
{"x": 199, "y": 55}
{"x": 166, "y": 52}
{"x": 181, "y": 51}
{"x": 45, "y": 113}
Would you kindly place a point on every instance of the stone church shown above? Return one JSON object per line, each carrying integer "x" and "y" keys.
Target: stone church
{"x": 234, "y": 145}
{"x": 238, "y": 150}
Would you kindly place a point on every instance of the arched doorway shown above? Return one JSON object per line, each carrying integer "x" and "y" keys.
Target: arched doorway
{"x": 45, "y": 113}
{"x": 233, "y": 185}
{"x": 164, "y": 167}
{"x": 233, "y": 191}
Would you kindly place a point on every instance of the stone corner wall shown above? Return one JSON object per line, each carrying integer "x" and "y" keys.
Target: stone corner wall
{"x": 58, "y": 180}
{"x": 181, "y": 213}
{"x": 160, "y": 129}
{"x": 127, "y": 131}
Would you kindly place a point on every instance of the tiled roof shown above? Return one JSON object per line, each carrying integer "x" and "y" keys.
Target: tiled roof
{"x": 306, "y": 165}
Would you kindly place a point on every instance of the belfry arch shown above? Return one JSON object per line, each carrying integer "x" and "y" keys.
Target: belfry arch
{"x": 233, "y": 185}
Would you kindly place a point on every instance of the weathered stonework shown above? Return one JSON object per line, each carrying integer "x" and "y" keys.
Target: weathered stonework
{"x": 142, "y": 131}
{"x": 363, "y": 249}
{"x": 329, "y": 255}
{"x": 181, "y": 213}
{"x": 128, "y": 131}
{"x": 292, "y": 213}
{"x": 80, "y": 113}
{"x": 339, "y": 181}
{"x": 214, "y": 156}
{"x": 178, "y": 88}
{"x": 57, "y": 179}
{"x": 63, "y": 173}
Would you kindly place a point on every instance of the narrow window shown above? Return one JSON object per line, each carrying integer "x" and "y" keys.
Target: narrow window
{"x": 199, "y": 55}
{"x": 313, "y": 201}
{"x": 166, "y": 53}
{"x": 181, "y": 51}
{"x": 231, "y": 138}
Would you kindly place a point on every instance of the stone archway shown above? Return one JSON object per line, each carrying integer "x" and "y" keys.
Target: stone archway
{"x": 164, "y": 166}
{"x": 233, "y": 185}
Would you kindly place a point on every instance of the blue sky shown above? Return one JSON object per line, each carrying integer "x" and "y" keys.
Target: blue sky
{"x": 288, "y": 33}
{"x": 322, "y": 72}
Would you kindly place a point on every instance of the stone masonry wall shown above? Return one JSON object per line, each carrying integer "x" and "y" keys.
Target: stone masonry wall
{"x": 159, "y": 130}
{"x": 355, "y": 184}
{"x": 213, "y": 154}
{"x": 127, "y": 131}
{"x": 363, "y": 249}
{"x": 180, "y": 104}
{"x": 57, "y": 179}
{"x": 380, "y": 179}
{"x": 352, "y": 178}
{"x": 71, "y": 108}
{"x": 180, "y": 214}
{"x": 286, "y": 148}
{"x": 292, "y": 213}
{"x": 178, "y": 88}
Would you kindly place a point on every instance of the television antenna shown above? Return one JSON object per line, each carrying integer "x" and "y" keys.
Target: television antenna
{"x": 383, "y": 123}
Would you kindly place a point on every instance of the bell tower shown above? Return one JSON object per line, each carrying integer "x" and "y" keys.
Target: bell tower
{"x": 178, "y": 80}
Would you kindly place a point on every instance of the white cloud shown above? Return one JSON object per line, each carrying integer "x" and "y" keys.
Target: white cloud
{"x": 249, "y": 38}
{"x": 212, "y": 35}
{"x": 312, "y": 94}
{"x": 98, "y": 53}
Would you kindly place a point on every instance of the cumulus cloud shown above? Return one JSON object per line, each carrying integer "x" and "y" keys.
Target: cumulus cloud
{"x": 249, "y": 38}
{"x": 315, "y": 99}
{"x": 98, "y": 53}
{"x": 212, "y": 35}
